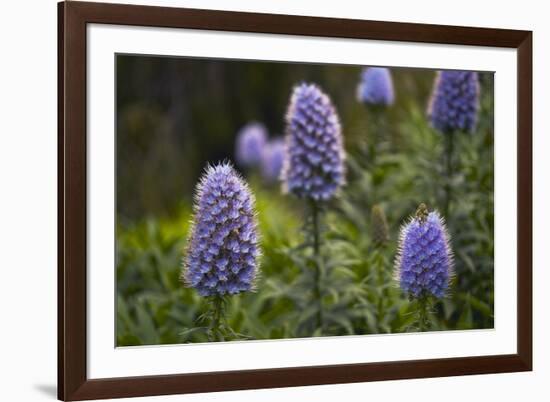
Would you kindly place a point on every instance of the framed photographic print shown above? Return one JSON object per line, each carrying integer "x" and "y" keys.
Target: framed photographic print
{"x": 253, "y": 201}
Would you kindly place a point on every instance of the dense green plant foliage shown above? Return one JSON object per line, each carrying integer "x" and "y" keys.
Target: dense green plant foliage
{"x": 395, "y": 161}
{"x": 176, "y": 115}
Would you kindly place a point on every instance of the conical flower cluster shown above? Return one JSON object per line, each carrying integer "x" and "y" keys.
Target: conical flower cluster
{"x": 314, "y": 162}
{"x": 272, "y": 159}
{"x": 251, "y": 140}
{"x": 379, "y": 223}
{"x": 222, "y": 254}
{"x": 376, "y": 87}
{"x": 424, "y": 262}
{"x": 454, "y": 103}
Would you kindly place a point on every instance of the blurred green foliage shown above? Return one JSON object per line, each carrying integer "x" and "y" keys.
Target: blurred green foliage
{"x": 175, "y": 115}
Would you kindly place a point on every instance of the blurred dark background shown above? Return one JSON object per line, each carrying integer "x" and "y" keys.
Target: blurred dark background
{"x": 177, "y": 114}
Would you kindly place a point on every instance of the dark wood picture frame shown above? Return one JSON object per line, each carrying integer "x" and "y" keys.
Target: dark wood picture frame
{"x": 73, "y": 383}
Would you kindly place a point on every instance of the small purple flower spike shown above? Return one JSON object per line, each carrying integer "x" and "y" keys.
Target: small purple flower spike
{"x": 454, "y": 103}
{"x": 313, "y": 167}
{"x": 222, "y": 253}
{"x": 376, "y": 87}
{"x": 424, "y": 263}
{"x": 251, "y": 140}
{"x": 272, "y": 159}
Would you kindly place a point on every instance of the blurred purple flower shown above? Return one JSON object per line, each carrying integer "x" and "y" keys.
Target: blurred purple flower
{"x": 376, "y": 87}
{"x": 424, "y": 262}
{"x": 222, "y": 253}
{"x": 272, "y": 159}
{"x": 249, "y": 145}
{"x": 454, "y": 103}
{"x": 314, "y": 162}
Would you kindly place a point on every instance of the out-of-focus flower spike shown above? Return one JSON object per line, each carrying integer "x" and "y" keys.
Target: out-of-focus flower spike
{"x": 250, "y": 143}
{"x": 272, "y": 159}
{"x": 380, "y": 230}
{"x": 376, "y": 87}
{"x": 454, "y": 103}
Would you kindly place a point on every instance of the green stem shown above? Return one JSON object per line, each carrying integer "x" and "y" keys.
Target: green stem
{"x": 423, "y": 314}
{"x": 377, "y": 135}
{"x": 217, "y": 316}
{"x": 381, "y": 282}
{"x": 317, "y": 291}
{"x": 449, "y": 145}
{"x": 377, "y": 127}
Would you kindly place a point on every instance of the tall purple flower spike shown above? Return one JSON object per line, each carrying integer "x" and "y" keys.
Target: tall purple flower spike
{"x": 424, "y": 263}
{"x": 376, "y": 87}
{"x": 272, "y": 159}
{"x": 314, "y": 162}
{"x": 454, "y": 103}
{"x": 222, "y": 253}
{"x": 251, "y": 140}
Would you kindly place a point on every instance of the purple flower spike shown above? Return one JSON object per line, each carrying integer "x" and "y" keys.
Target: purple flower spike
{"x": 251, "y": 140}
{"x": 314, "y": 162}
{"x": 424, "y": 262}
{"x": 222, "y": 253}
{"x": 376, "y": 87}
{"x": 272, "y": 159}
{"x": 454, "y": 103}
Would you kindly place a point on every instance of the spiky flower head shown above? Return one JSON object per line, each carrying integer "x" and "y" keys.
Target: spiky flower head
{"x": 313, "y": 167}
{"x": 222, "y": 253}
{"x": 376, "y": 87}
{"x": 272, "y": 159}
{"x": 424, "y": 262}
{"x": 251, "y": 140}
{"x": 454, "y": 103}
{"x": 380, "y": 230}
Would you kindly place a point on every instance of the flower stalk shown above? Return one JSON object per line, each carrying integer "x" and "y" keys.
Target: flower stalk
{"x": 313, "y": 169}
{"x": 423, "y": 313}
{"x": 222, "y": 250}
{"x": 217, "y": 314}
{"x": 449, "y": 172}
{"x": 318, "y": 265}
